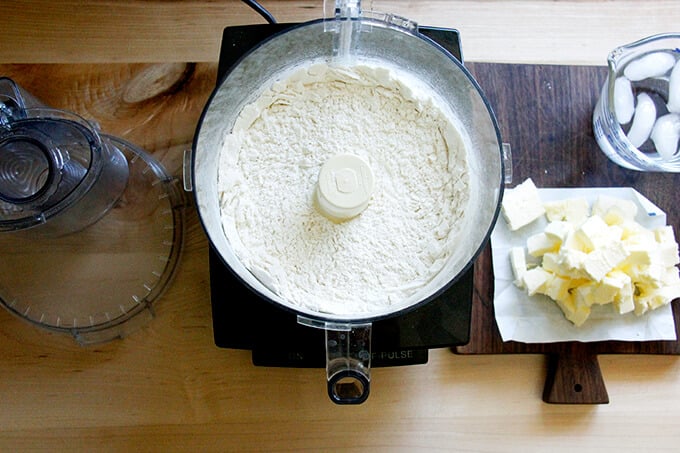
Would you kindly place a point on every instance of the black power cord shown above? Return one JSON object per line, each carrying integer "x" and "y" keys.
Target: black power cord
{"x": 260, "y": 10}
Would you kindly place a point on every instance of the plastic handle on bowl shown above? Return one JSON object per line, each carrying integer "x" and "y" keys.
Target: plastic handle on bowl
{"x": 348, "y": 362}
{"x": 336, "y": 9}
{"x": 348, "y": 359}
{"x": 348, "y": 387}
{"x": 343, "y": 17}
{"x": 507, "y": 163}
{"x": 187, "y": 175}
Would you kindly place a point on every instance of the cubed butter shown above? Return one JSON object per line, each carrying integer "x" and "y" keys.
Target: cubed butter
{"x": 666, "y": 254}
{"x": 665, "y": 234}
{"x": 599, "y": 259}
{"x": 559, "y": 230}
{"x": 558, "y": 288}
{"x": 518, "y": 263}
{"x": 634, "y": 233}
{"x": 603, "y": 259}
{"x": 571, "y": 263}
{"x": 648, "y": 275}
{"x": 535, "y": 280}
{"x": 572, "y": 242}
{"x": 594, "y": 233}
{"x": 639, "y": 255}
{"x": 577, "y": 314}
{"x": 624, "y": 298}
{"x": 573, "y": 210}
{"x": 606, "y": 290}
{"x": 614, "y": 210}
{"x": 551, "y": 263}
{"x": 584, "y": 294}
{"x": 595, "y": 293}
{"x": 652, "y": 298}
{"x": 540, "y": 244}
{"x": 521, "y": 205}
{"x": 671, "y": 276}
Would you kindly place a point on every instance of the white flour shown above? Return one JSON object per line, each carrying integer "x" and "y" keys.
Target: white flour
{"x": 268, "y": 171}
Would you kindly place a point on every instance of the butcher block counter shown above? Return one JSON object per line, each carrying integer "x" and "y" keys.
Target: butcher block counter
{"x": 145, "y": 69}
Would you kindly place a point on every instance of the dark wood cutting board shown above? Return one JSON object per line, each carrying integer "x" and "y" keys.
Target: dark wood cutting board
{"x": 545, "y": 114}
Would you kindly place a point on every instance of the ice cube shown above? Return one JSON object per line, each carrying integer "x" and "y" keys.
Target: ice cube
{"x": 624, "y": 101}
{"x": 653, "y": 64}
{"x": 674, "y": 89}
{"x": 665, "y": 135}
{"x": 643, "y": 121}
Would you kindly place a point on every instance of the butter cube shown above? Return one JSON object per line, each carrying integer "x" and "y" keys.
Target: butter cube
{"x": 521, "y": 205}
{"x": 606, "y": 290}
{"x": 641, "y": 306}
{"x": 571, "y": 263}
{"x": 583, "y": 294}
{"x": 558, "y": 288}
{"x": 594, "y": 233}
{"x": 651, "y": 276}
{"x": 573, "y": 210}
{"x": 518, "y": 263}
{"x": 535, "y": 280}
{"x": 577, "y": 314}
{"x": 634, "y": 233}
{"x": 614, "y": 216}
{"x": 643, "y": 298}
{"x": 595, "y": 293}
{"x": 614, "y": 210}
{"x": 652, "y": 298}
{"x": 602, "y": 260}
{"x": 573, "y": 242}
{"x": 559, "y": 230}
{"x": 671, "y": 276}
{"x": 638, "y": 255}
{"x": 624, "y": 298}
{"x": 665, "y": 234}
{"x": 551, "y": 263}
{"x": 615, "y": 232}
{"x": 540, "y": 244}
{"x": 666, "y": 254}
{"x": 664, "y": 296}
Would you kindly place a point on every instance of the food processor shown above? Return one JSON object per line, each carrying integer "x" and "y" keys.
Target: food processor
{"x": 347, "y": 36}
{"x": 91, "y": 227}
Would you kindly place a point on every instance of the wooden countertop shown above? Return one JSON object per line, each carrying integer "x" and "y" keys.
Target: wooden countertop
{"x": 168, "y": 387}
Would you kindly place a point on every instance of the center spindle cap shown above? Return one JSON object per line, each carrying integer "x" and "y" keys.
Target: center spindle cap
{"x": 344, "y": 187}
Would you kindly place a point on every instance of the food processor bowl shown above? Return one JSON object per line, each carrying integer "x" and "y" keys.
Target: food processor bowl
{"x": 390, "y": 42}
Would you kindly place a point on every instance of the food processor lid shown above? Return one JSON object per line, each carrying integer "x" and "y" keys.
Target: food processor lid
{"x": 48, "y": 159}
{"x": 38, "y": 176}
{"x": 101, "y": 282}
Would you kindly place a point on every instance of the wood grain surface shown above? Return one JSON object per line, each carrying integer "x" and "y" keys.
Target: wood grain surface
{"x": 129, "y": 64}
{"x": 518, "y": 31}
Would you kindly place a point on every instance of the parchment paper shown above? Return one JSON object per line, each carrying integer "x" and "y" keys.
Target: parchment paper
{"x": 537, "y": 319}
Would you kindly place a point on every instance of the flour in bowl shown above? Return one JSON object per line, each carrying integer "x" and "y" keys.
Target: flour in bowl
{"x": 268, "y": 171}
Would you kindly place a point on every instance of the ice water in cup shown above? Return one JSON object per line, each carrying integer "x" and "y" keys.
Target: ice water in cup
{"x": 637, "y": 119}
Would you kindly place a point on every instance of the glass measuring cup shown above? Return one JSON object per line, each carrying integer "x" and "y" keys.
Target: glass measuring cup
{"x": 636, "y": 121}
